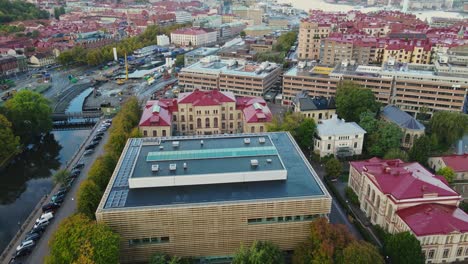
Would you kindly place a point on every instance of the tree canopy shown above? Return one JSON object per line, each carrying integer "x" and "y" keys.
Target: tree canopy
{"x": 180, "y": 61}
{"x": 421, "y": 150}
{"x": 61, "y": 176}
{"x": 78, "y": 237}
{"x": 352, "y": 100}
{"x": 9, "y": 142}
{"x": 448, "y": 126}
{"x": 20, "y": 10}
{"x": 361, "y": 253}
{"x": 29, "y": 112}
{"x": 333, "y": 168}
{"x": 396, "y": 153}
{"x": 448, "y": 173}
{"x": 300, "y": 127}
{"x": 403, "y": 248}
{"x": 264, "y": 252}
{"x": 88, "y": 198}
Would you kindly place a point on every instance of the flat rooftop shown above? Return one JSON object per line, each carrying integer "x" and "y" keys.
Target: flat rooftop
{"x": 219, "y": 155}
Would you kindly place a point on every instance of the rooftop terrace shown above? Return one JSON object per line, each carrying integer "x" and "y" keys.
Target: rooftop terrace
{"x": 280, "y": 171}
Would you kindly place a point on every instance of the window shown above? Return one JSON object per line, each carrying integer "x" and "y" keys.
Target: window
{"x": 164, "y": 133}
{"x": 223, "y": 117}
{"x": 459, "y": 251}
{"x": 191, "y": 126}
{"x": 355, "y": 144}
{"x": 231, "y": 116}
{"x": 270, "y": 219}
{"x": 238, "y": 115}
{"x": 215, "y": 122}
{"x": 261, "y": 128}
{"x": 446, "y": 253}
{"x": 207, "y": 122}
{"x": 145, "y": 133}
{"x": 182, "y": 118}
{"x": 252, "y": 129}
{"x": 198, "y": 122}
{"x": 155, "y": 133}
{"x": 183, "y": 127}
{"x": 329, "y": 146}
{"x": 297, "y": 218}
{"x": 164, "y": 239}
{"x": 288, "y": 218}
{"x": 280, "y": 219}
{"x": 190, "y": 118}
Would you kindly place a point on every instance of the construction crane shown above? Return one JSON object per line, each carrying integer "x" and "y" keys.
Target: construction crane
{"x": 122, "y": 81}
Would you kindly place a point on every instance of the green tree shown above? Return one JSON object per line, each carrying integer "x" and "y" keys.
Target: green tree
{"x": 285, "y": 41}
{"x": 352, "y": 100}
{"x": 101, "y": 171}
{"x": 179, "y": 62}
{"x": 449, "y": 126}
{"x": 448, "y": 173}
{"x": 333, "y": 168}
{"x": 264, "y": 252}
{"x": 464, "y": 206}
{"x": 76, "y": 231}
{"x": 421, "y": 150}
{"x": 61, "y": 176}
{"x": 305, "y": 133}
{"x": 88, "y": 198}
{"x": 29, "y": 112}
{"x": 243, "y": 34}
{"x": 403, "y": 248}
{"x": 8, "y": 140}
{"x": 159, "y": 258}
{"x": 351, "y": 196}
{"x": 381, "y": 136}
{"x": 396, "y": 153}
{"x": 361, "y": 253}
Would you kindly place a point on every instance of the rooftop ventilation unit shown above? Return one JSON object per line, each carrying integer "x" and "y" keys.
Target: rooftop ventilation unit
{"x": 201, "y": 142}
{"x": 185, "y": 165}
{"x": 269, "y": 160}
{"x": 261, "y": 140}
{"x": 161, "y": 147}
{"x": 175, "y": 144}
{"x": 155, "y": 167}
{"x": 246, "y": 140}
{"x": 254, "y": 163}
{"x": 172, "y": 167}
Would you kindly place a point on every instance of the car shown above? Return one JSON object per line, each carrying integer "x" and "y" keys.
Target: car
{"x": 57, "y": 198}
{"x": 44, "y": 224}
{"x": 50, "y": 207}
{"x": 99, "y": 134}
{"x": 97, "y": 138}
{"x": 33, "y": 236}
{"x": 25, "y": 244}
{"x": 90, "y": 147}
{"x": 45, "y": 216}
{"x": 108, "y": 121}
{"x": 21, "y": 253}
{"x": 70, "y": 182}
{"x": 102, "y": 129}
{"x": 39, "y": 229}
{"x": 95, "y": 142}
{"x": 75, "y": 173}
{"x": 79, "y": 165}
{"x": 62, "y": 190}
{"x": 88, "y": 152}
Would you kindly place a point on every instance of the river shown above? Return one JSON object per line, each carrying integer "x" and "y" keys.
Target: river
{"x": 27, "y": 178}
{"x": 319, "y": 4}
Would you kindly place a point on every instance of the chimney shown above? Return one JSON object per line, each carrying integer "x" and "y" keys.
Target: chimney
{"x": 460, "y": 149}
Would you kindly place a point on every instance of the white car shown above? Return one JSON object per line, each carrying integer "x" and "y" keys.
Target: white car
{"x": 25, "y": 244}
{"x": 45, "y": 217}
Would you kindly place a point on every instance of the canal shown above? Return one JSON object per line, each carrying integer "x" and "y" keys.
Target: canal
{"x": 27, "y": 178}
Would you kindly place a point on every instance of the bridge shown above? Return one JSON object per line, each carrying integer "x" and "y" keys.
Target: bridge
{"x": 75, "y": 120}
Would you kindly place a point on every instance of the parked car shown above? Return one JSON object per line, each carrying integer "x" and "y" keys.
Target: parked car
{"x": 90, "y": 147}
{"x": 95, "y": 142}
{"x": 57, "y": 198}
{"x": 62, "y": 190}
{"x": 45, "y": 217}
{"x": 25, "y": 244}
{"x": 96, "y": 138}
{"x": 44, "y": 224}
{"x": 99, "y": 134}
{"x": 39, "y": 229}
{"x": 108, "y": 121}
{"x": 75, "y": 173}
{"x": 88, "y": 152}
{"x": 79, "y": 165}
{"x": 22, "y": 253}
{"x": 102, "y": 129}
{"x": 50, "y": 207}
{"x": 33, "y": 236}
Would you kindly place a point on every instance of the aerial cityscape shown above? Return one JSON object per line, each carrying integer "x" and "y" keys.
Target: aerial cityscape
{"x": 234, "y": 131}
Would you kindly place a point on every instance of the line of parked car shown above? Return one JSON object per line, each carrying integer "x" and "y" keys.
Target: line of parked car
{"x": 49, "y": 209}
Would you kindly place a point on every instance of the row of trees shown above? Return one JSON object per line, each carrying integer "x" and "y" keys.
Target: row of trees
{"x": 20, "y": 10}
{"x": 22, "y": 119}
{"x": 97, "y": 56}
{"x": 79, "y": 239}
{"x": 300, "y": 127}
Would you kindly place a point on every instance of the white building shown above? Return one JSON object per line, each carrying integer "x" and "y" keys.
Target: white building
{"x": 193, "y": 37}
{"x": 183, "y": 17}
{"x": 339, "y": 138}
{"x": 162, "y": 40}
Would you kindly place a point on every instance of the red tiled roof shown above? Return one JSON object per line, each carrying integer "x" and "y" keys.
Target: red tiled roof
{"x": 459, "y": 163}
{"x": 156, "y": 117}
{"x": 206, "y": 98}
{"x": 431, "y": 219}
{"x": 255, "y": 109}
{"x": 404, "y": 180}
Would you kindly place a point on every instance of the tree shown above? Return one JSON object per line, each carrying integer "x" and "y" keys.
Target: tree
{"x": 179, "y": 62}
{"x": 9, "y": 142}
{"x": 159, "y": 258}
{"x": 449, "y": 126}
{"x": 86, "y": 254}
{"x": 333, "y": 168}
{"x": 448, "y": 173}
{"x": 101, "y": 171}
{"x": 78, "y": 231}
{"x": 242, "y": 34}
{"x": 264, "y": 252}
{"x": 305, "y": 133}
{"x": 381, "y": 136}
{"x": 361, "y": 253}
{"x": 285, "y": 41}
{"x": 351, "y": 196}
{"x": 421, "y": 150}
{"x": 88, "y": 198}
{"x": 29, "y": 112}
{"x": 61, "y": 176}
{"x": 403, "y": 248}
{"x": 352, "y": 100}
{"x": 396, "y": 153}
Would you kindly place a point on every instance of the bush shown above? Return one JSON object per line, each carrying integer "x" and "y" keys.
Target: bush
{"x": 352, "y": 196}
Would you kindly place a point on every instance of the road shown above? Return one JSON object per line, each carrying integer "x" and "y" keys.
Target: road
{"x": 68, "y": 207}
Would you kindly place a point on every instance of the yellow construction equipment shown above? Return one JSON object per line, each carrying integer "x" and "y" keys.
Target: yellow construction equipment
{"x": 122, "y": 81}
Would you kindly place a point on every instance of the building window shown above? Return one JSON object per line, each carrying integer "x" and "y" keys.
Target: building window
{"x": 231, "y": 116}
{"x": 261, "y": 128}
{"x": 164, "y": 133}
{"x": 238, "y": 115}
{"x": 329, "y": 146}
{"x": 155, "y": 133}
{"x": 355, "y": 144}
{"x": 207, "y": 122}
{"x": 446, "y": 253}
{"x": 182, "y": 118}
{"x": 191, "y": 126}
{"x": 145, "y": 133}
{"x": 223, "y": 116}
{"x": 183, "y": 127}
{"x": 198, "y": 122}
{"x": 459, "y": 251}
{"x": 190, "y": 118}
{"x": 231, "y": 125}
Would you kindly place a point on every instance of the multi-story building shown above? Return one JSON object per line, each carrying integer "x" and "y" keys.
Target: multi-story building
{"x": 309, "y": 40}
{"x": 419, "y": 52}
{"x": 249, "y": 13}
{"x": 337, "y": 137}
{"x": 317, "y": 108}
{"x": 412, "y": 129}
{"x": 8, "y": 65}
{"x": 236, "y": 76}
{"x": 335, "y": 50}
{"x": 401, "y": 196}
{"x": 42, "y": 59}
{"x": 193, "y": 37}
{"x": 459, "y": 164}
{"x": 183, "y": 17}
{"x": 197, "y": 54}
{"x": 204, "y": 196}
{"x": 204, "y": 113}
{"x": 162, "y": 40}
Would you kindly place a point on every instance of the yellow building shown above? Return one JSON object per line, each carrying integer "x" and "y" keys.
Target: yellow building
{"x": 204, "y": 113}
{"x": 318, "y": 108}
{"x": 408, "y": 52}
{"x": 309, "y": 40}
{"x": 255, "y": 14}
{"x": 205, "y": 196}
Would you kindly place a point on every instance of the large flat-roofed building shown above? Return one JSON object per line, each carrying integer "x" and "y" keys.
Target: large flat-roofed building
{"x": 237, "y": 76}
{"x": 195, "y": 55}
{"x": 204, "y": 196}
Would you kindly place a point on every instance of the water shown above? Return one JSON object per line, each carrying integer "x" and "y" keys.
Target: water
{"x": 76, "y": 105}
{"x": 319, "y": 4}
{"x": 28, "y": 178}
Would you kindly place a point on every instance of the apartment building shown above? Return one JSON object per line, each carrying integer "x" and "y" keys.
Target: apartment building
{"x": 8, "y": 65}
{"x": 317, "y": 108}
{"x": 459, "y": 164}
{"x": 309, "y": 40}
{"x": 204, "y": 196}
{"x": 249, "y": 13}
{"x": 335, "y": 50}
{"x": 401, "y": 196}
{"x": 237, "y": 76}
{"x": 194, "y": 37}
{"x": 408, "y": 52}
{"x": 196, "y": 55}
{"x": 204, "y": 113}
